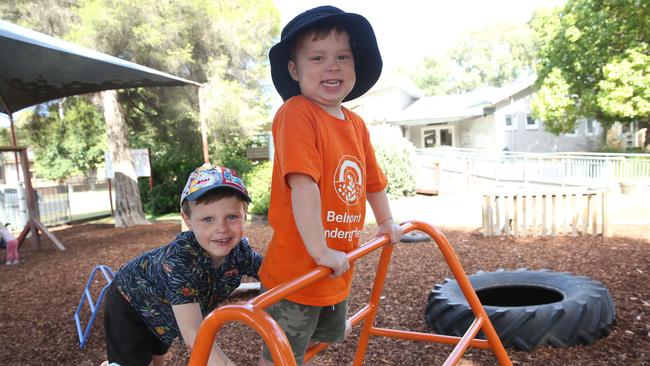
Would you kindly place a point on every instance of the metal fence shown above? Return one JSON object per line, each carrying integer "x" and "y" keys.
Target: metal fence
{"x": 53, "y": 205}
{"x": 13, "y": 207}
{"x": 575, "y": 169}
{"x": 57, "y": 204}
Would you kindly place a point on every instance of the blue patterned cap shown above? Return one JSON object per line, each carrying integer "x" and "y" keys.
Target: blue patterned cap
{"x": 208, "y": 177}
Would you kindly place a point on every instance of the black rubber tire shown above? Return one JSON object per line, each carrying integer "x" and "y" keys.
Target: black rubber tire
{"x": 527, "y": 308}
{"x": 415, "y": 236}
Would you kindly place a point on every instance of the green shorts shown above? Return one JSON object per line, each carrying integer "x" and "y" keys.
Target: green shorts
{"x": 304, "y": 323}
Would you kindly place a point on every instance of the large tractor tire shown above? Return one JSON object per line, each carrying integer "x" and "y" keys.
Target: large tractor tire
{"x": 527, "y": 308}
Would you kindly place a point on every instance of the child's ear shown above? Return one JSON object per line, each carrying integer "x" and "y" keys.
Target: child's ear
{"x": 293, "y": 70}
{"x": 186, "y": 220}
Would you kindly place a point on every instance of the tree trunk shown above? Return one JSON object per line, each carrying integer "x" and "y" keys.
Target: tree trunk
{"x": 128, "y": 211}
{"x": 91, "y": 177}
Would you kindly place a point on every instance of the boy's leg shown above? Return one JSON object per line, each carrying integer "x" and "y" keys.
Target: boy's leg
{"x": 12, "y": 247}
{"x": 128, "y": 340}
{"x": 305, "y": 325}
{"x": 333, "y": 325}
{"x": 298, "y": 323}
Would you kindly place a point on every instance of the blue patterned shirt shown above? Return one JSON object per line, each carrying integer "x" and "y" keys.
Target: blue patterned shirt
{"x": 182, "y": 272}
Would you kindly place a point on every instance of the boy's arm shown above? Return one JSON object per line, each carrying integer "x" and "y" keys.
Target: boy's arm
{"x": 306, "y": 207}
{"x": 380, "y": 207}
{"x": 188, "y": 318}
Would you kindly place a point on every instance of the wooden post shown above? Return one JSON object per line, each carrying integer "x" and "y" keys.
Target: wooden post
{"x": 486, "y": 220}
{"x": 574, "y": 214}
{"x": 607, "y": 232}
{"x": 554, "y": 214}
{"x": 534, "y": 233}
{"x": 524, "y": 198}
{"x": 564, "y": 198}
{"x": 585, "y": 213}
{"x": 32, "y": 205}
{"x": 594, "y": 218}
{"x": 506, "y": 224}
{"x": 497, "y": 215}
{"x": 110, "y": 196}
{"x": 436, "y": 169}
{"x": 515, "y": 215}
{"x": 544, "y": 220}
{"x": 204, "y": 128}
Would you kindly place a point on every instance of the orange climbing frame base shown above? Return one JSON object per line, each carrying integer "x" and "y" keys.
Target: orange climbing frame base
{"x": 252, "y": 312}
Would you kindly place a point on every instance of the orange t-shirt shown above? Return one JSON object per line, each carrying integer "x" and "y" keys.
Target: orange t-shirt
{"x": 338, "y": 155}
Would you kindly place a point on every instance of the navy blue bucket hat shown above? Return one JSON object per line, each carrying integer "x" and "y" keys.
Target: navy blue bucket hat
{"x": 367, "y": 59}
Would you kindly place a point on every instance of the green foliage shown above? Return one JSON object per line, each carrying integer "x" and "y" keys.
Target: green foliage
{"x": 492, "y": 56}
{"x": 169, "y": 175}
{"x": 68, "y": 138}
{"x": 554, "y": 105}
{"x": 221, "y": 43}
{"x": 395, "y": 155}
{"x": 624, "y": 91}
{"x": 258, "y": 183}
{"x": 53, "y": 17}
{"x": 231, "y": 151}
{"x": 601, "y": 49}
{"x": 5, "y": 137}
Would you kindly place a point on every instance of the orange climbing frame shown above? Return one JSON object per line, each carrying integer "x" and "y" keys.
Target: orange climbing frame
{"x": 252, "y": 312}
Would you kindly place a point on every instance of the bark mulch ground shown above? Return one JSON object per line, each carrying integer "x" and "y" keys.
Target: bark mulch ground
{"x": 38, "y": 297}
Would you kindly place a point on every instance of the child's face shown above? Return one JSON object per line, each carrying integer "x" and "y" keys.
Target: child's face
{"x": 324, "y": 69}
{"x": 218, "y": 226}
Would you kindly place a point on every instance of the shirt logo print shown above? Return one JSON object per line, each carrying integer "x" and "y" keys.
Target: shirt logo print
{"x": 348, "y": 180}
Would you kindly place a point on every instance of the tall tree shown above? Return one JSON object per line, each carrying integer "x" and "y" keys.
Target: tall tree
{"x": 53, "y": 17}
{"x": 223, "y": 43}
{"x": 595, "y": 63}
{"x": 68, "y": 138}
{"x": 128, "y": 206}
{"x": 493, "y": 56}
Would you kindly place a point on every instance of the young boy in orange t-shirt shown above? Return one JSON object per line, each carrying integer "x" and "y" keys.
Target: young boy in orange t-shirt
{"x": 324, "y": 170}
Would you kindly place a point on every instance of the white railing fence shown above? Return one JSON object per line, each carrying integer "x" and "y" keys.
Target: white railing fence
{"x": 539, "y": 213}
{"x": 572, "y": 169}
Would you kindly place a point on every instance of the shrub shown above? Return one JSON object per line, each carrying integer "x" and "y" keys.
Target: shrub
{"x": 170, "y": 174}
{"x": 258, "y": 182}
{"x": 395, "y": 155}
{"x": 231, "y": 151}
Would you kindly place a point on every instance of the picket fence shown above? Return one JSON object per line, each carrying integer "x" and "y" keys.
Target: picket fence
{"x": 546, "y": 213}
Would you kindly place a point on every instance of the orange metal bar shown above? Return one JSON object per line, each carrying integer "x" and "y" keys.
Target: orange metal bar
{"x": 375, "y": 295}
{"x": 256, "y": 318}
{"x": 467, "y": 289}
{"x": 426, "y": 337}
{"x": 252, "y": 313}
{"x": 460, "y": 349}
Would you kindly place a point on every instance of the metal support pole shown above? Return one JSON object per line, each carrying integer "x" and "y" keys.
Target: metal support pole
{"x": 204, "y": 128}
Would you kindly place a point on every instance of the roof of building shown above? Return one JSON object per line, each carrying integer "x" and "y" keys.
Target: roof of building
{"x": 456, "y": 107}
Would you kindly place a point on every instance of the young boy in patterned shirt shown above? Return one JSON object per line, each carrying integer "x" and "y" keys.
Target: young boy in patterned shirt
{"x": 167, "y": 291}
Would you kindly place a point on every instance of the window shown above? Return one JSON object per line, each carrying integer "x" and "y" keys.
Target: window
{"x": 446, "y": 137}
{"x": 531, "y": 123}
{"x": 510, "y": 122}
{"x": 438, "y": 136}
{"x": 430, "y": 138}
{"x": 591, "y": 126}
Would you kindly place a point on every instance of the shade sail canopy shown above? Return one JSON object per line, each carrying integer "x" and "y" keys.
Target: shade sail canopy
{"x": 35, "y": 68}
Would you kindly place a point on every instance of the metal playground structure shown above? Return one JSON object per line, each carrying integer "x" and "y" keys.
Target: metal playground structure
{"x": 253, "y": 315}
